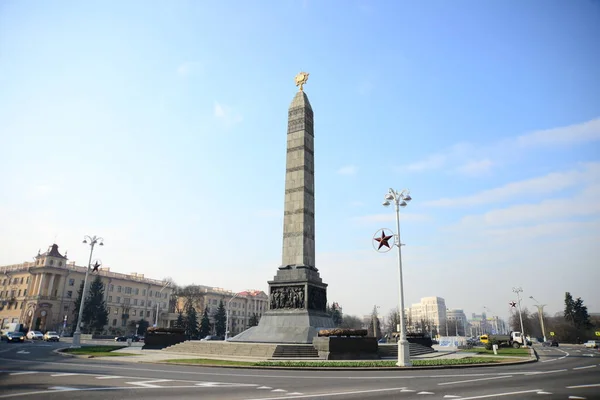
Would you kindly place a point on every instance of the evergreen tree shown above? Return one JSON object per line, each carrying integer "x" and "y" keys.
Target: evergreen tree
{"x": 582, "y": 318}
{"x": 336, "y": 314}
{"x": 180, "y": 323}
{"x": 95, "y": 314}
{"x": 205, "y": 324}
{"x": 569, "y": 308}
{"x": 76, "y": 309}
{"x": 254, "y": 318}
{"x": 220, "y": 319}
{"x": 191, "y": 321}
{"x": 142, "y": 326}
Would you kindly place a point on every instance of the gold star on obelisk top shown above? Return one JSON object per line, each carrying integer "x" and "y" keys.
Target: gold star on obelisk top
{"x": 383, "y": 240}
{"x": 301, "y": 79}
{"x": 95, "y": 267}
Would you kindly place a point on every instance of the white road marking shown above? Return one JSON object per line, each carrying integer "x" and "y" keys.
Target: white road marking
{"x": 278, "y": 390}
{"x": 62, "y": 388}
{"x": 545, "y": 372}
{"x": 109, "y": 377}
{"x": 451, "y": 396}
{"x": 586, "y": 367}
{"x": 149, "y": 384}
{"x": 584, "y": 386}
{"x": 485, "y": 396}
{"x": 475, "y": 380}
{"x": 295, "y": 393}
{"x": 222, "y": 384}
{"x": 308, "y": 396}
{"x": 264, "y": 387}
{"x": 576, "y": 397}
{"x": 24, "y": 373}
{"x": 544, "y": 393}
{"x": 425, "y": 393}
{"x": 65, "y": 374}
{"x": 22, "y": 352}
{"x": 559, "y": 358}
{"x": 407, "y": 390}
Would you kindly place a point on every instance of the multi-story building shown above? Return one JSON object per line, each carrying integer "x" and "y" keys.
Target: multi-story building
{"x": 428, "y": 316}
{"x": 241, "y": 306}
{"x": 457, "y": 322}
{"x": 41, "y": 294}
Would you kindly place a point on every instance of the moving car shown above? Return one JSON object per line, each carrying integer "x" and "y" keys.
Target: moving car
{"x": 550, "y": 343}
{"x": 51, "y": 336}
{"x": 592, "y": 344}
{"x": 134, "y": 338}
{"x": 14, "y": 337}
{"x": 212, "y": 337}
{"x": 35, "y": 335}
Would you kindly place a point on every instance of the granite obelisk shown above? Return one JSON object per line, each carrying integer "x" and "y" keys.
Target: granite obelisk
{"x": 297, "y": 294}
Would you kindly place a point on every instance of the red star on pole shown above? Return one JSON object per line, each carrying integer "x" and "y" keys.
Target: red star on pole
{"x": 383, "y": 240}
{"x": 95, "y": 267}
{"x": 512, "y": 304}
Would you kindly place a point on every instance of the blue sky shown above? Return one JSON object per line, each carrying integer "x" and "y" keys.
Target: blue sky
{"x": 161, "y": 126}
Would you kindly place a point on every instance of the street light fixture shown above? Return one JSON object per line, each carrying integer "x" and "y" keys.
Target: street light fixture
{"x": 400, "y": 199}
{"x": 227, "y": 315}
{"x": 92, "y": 241}
{"x": 540, "y": 308}
{"x": 519, "y": 290}
{"x": 167, "y": 284}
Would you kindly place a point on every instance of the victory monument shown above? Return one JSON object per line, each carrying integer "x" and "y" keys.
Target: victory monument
{"x": 297, "y": 294}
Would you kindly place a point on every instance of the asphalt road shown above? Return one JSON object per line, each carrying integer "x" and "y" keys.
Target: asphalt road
{"x": 32, "y": 370}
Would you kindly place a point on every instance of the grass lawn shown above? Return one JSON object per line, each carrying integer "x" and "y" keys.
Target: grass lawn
{"x": 350, "y": 364}
{"x": 503, "y": 351}
{"x": 98, "y": 351}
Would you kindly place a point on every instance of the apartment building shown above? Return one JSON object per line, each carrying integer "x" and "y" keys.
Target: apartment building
{"x": 427, "y": 316}
{"x": 241, "y": 306}
{"x": 41, "y": 294}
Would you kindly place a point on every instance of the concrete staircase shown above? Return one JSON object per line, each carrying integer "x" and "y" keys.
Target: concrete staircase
{"x": 295, "y": 351}
{"x": 391, "y": 350}
{"x": 222, "y": 348}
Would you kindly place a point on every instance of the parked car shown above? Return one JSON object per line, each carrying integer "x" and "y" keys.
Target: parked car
{"x": 550, "y": 343}
{"x": 14, "y": 337}
{"x": 51, "y": 336}
{"x": 134, "y": 338}
{"x": 592, "y": 344}
{"x": 35, "y": 335}
{"x": 212, "y": 337}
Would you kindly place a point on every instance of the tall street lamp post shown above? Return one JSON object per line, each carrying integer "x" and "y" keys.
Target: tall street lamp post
{"x": 540, "y": 308}
{"x": 519, "y": 290}
{"x": 167, "y": 284}
{"x": 400, "y": 199}
{"x": 227, "y": 316}
{"x": 92, "y": 241}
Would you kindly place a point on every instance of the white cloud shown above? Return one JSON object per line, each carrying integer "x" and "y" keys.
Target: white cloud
{"x": 188, "y": 67}
{"x": 347, "y": 170}
{"x": 475, "y": 168}
{"x": 391, "y": 217}
{"x": 573, "y": 134}
{"x": 553, "y": 182}
{"x": 458, "y": 157}
{"x": 584, "y": 204}
{"x": 226, "y": 115}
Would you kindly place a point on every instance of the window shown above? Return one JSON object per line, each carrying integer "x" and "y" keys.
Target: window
{"x": 115, "y": 322}
{"x": 118, "y": 299}
{"x": 150, "y": 293}
{"x": 137, "y": 291}
{"x": 133, "y": 312}
{"x": 111, "y": 287}
{"x": 60, "y": 263}
{"x": 66, "y": 307}
{"x": 28, "y": 279}
{"x": 142, "y": 303}
{"x": 149, "y": 303}
{"x": 72, "y": 282}
{"x": 24, "y": 292}
{"x": 117, "y": 310}
{"x": 119, "y": 289}
{"x": 51, "y": 262}
{"x": 126, "y": 300}
{"x": 21, "y": 280}
{"x": 144, "y": 292}
{"x": 108, "y": 309}
{"x": 147, "y": 313}
{"x": 19, "y": 292}
{"x": 127, "y": 290}
{"x": 110, "y": 299}
{"x": 69, "y": 294}
{"x": 123, "y": 322}
{"x": 17, "y": 303}
{"x": 135, "y": 302}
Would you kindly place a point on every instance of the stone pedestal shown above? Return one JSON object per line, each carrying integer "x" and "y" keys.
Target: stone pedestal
{"x": 347, "y": 348}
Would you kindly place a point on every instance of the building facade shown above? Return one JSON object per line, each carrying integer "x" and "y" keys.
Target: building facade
{"x": 457, "y": 322}
{"x": 240, "y": 306}
{"x": 428, "y": 316}
{"x": 41, "y": 295}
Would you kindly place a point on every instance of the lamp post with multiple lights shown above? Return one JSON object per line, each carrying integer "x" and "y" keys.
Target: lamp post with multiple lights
{"x": 400, "y": 199}
{"x": 92, "y": 241}
{"x": 540, "y": 308}
{"x": 519, "y": 290}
